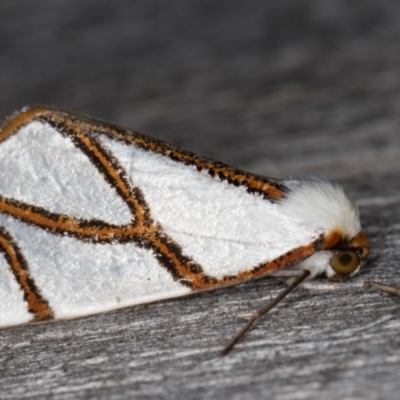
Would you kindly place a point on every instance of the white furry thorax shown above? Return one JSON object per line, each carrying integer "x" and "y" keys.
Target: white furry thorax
{"x": 321, "y": 207}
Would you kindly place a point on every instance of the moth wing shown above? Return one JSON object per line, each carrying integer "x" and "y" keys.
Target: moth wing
{"x": 206, "y": 221}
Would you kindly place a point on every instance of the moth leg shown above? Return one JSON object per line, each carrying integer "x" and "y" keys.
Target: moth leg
{"x": 356, "y": 284}
{"x": 284, "y": 273}
{"x": 324, "y": 285}
{"x": 390, "y": 289}
{"x": 262, "y": 311}
{"x": 318, "y": 284}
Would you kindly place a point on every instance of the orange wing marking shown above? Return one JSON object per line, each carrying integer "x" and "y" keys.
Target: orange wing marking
{"x": 37, "y": 305}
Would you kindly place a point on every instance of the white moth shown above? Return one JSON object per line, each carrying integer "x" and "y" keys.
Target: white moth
{"x": 94, "y": 217}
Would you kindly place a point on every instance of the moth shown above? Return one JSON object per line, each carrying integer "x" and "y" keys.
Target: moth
{"x": 95, "y": 217}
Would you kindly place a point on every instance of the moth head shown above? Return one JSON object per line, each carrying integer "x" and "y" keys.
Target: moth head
{"x": 348, "y": 258}
{"x": 340, "y": 260}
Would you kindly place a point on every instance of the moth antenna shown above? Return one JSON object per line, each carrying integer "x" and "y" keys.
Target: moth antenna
{"x": 390, "y": 289}
{"x": 264, "y": 310}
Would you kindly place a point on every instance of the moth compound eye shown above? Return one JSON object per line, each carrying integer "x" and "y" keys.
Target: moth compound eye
{"x": 345, "y": 262}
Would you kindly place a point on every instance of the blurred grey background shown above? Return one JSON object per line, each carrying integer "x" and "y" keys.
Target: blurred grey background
{"x": 280, "y": 88}
{"x": 247, "y": 82}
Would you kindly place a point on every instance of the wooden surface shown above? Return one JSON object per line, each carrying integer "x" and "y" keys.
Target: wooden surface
{"x": 280, "y": 88}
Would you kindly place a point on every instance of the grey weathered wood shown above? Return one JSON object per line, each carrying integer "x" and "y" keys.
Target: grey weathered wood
{"x": 282, "y": 88}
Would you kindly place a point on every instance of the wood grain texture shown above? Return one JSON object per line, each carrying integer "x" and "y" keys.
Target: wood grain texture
{"x": 279, "y": 88}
